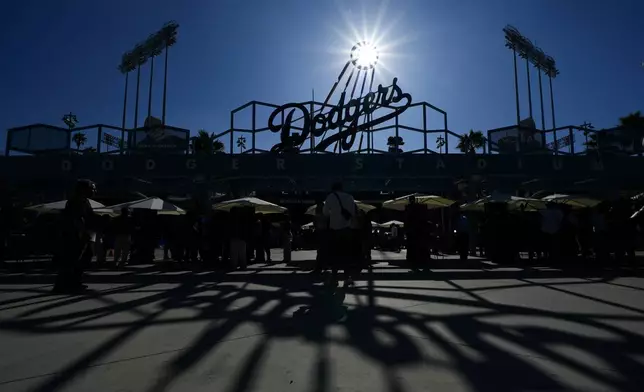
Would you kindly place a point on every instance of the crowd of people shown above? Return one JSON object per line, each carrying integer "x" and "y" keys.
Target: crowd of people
{"x": 343, "y": 236}
{"x": 607, "y": 233}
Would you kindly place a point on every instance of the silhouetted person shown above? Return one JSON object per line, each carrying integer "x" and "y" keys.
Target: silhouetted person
{"x": 237, "y": 240}
{"x": 266, "y": 237}
{"x": 258, "y": 239}
{"x": 123, "y": 228}
{"x": 415, "y": 222}
{"x": 551, "y": 222}
{"x": 463, "y": 236}
{"x": 6, "y": 218}
{"x": 78, "y": 217}
{"x": 340, "y": 207}
{"x": 287, "y": 239}
{"x": 321, "y": 225}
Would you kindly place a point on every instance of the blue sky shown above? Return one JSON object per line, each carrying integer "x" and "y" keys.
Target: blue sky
{"x": 61, "y": 56}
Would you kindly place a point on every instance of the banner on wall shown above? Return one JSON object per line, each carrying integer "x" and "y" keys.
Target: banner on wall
{"x": 156, "y": 136}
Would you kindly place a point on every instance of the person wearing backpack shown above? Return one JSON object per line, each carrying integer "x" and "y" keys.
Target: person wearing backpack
{"x": 340, "y": 207}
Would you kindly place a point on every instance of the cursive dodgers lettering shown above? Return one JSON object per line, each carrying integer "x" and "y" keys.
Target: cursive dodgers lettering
{"x": 344, "y": 117}
{"x": 286, "y": 138}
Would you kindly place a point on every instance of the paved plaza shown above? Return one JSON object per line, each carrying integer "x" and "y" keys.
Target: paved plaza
{"x": 459, "y": 327}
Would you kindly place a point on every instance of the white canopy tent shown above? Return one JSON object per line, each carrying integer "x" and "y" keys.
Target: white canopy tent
{"x": 261, "y": 206}
{"x": 58, "y": 206}
{"x": 391, "y": 223}
{"x": 573, "y": 201}
{"x": 310, "y": 225}
{"x": 513, "y": 202}
{"x": 431, "y": 201}
{"x": 361, "y": 206}
{"x": 161, "y": 206}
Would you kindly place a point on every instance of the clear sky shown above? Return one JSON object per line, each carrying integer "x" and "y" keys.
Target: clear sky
{"x": 61, "y": 56}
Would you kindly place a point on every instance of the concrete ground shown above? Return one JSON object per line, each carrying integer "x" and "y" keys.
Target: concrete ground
{"x": 460, "y": 327}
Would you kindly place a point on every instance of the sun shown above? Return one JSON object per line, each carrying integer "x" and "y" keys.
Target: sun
{"x": 377, "y": 36}
{"x": 364, "y": 55}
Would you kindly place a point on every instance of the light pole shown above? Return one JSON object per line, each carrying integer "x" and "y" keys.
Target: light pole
{"x": 513, "y": 40}
{"x": 154, "y": 49}
{"x": 140, "y": 57}
{"x": 169, "y": 36}
{"x": 539, "y": 55}
{"x": 125, "y": 67}
{"x": 527, "y": 68}
{"x": 550, "y": 69}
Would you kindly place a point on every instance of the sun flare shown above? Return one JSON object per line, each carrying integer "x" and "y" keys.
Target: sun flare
{"x": 364, "y": 55}
{"x": 369, "y": 34}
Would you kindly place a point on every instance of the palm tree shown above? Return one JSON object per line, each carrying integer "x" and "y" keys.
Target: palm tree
{"x": 79, "y": 139}
{"x": 471, "y": 141}
{"x": 591, "y": 141}
{"x": 206, "y": 143}
{"x": 290, "y": 146}
{"x": 394, "y": 143}
{"x": 633, "y": 121}
{"x": 241, "y": 143}
{"x": 626, "y": 138}
{"x": 440, "y": 143}
{"x": 217, "y": 146}
{"x": 632, "y": 127}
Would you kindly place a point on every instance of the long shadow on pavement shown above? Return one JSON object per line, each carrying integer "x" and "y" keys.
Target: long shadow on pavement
{"x": 391, "y": 337}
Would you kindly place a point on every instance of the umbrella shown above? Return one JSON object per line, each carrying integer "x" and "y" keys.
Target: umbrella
{"x": 513, "y": 202}
{"x": 573, "y": 201}
{"x": 391, "y": 223}
{"x": 261, "y": 206}
{"x": 431, "y": 201}
{"x": 162, "y": 207}
{"x": 361, "y": 206}
{"x": 307, "y": 226}
{"x": 58, "y": 206}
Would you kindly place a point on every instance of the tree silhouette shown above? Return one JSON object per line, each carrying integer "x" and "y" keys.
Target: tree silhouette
{"x": 241, "y": 143}
{"x": 440, "y": 143}
{"x": 471, "y": 141}
{"x": 79, "y": 139}
{"x": 206, "y": 143}
{"x": 394, "y": 143}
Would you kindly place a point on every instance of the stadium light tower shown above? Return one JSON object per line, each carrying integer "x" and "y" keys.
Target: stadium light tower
{"x": 136, "y": 58}
{"x": 546, "y": 64}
